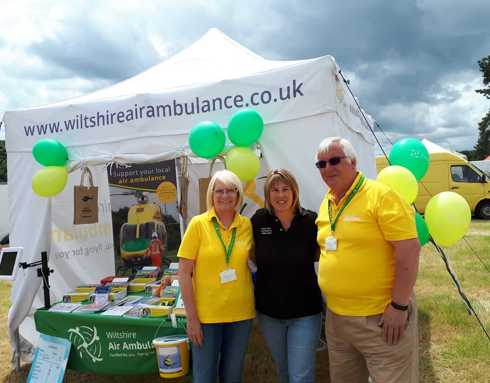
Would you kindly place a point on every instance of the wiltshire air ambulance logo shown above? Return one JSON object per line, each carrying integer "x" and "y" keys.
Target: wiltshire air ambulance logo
{"x": 86, "y": 342}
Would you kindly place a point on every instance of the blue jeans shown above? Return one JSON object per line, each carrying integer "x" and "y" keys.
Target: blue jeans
{"x": 222, "y": 352}
{"x": 293, "y": 344}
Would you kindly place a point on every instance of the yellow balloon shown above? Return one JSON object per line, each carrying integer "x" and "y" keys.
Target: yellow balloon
{"x": 401, "y": 180}
{"x": 49, "y": 181}
{"x": 448, "y": 217}
{"x": 243, "y": 162}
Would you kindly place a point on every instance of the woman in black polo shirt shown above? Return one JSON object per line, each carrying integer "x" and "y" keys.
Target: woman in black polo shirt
{"x": 287, "y": 296}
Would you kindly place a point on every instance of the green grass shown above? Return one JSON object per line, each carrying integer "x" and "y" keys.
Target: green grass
{"x": 453, "y": 347}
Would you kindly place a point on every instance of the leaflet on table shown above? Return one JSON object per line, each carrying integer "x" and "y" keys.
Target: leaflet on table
{"x": 76, "y": 297}
{"x": 148, "y": 272}
{"x": 180, "y": 302}
{"x": 137, "y": 309}
{"x": 92, "y": 308}
{"x": 173, "y": 269}
{"x": 117, "y": 310}
{"x": 139, "y": 284}
{"x": 85, "y": 288}
{"x": 64, "y": 307}
{"x": 119, "y": 281}
{"x": 131, "y": 300}
{"x": 101, "y": 296}
{"x": 153, "y": 289}
{"x": 96, "y": 292}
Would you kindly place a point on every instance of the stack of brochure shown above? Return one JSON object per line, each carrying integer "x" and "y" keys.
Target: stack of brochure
{"x": 148, "y": 272}
{"x": 90, "y": 308}
{"x": 76, "y": 297}
{"x": 63, "y": 307}
{"x": 117, "y": 310}
{"x": 172, "y": 271}
{"x": 137, "y": 310}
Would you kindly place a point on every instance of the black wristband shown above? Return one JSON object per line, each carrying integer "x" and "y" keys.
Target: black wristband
{"x": 399, "y": 307}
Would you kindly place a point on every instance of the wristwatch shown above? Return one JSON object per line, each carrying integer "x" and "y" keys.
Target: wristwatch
{"x": 399, "y": 307}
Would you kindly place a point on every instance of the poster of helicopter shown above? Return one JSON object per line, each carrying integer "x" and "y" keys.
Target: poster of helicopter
{"x": 145, "y": 217}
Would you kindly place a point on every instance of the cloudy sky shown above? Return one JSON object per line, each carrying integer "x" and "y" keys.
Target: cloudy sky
{"x": 412, "y": 63}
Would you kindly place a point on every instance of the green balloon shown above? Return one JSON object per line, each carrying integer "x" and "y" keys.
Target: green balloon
{"x": 207, "y": 139}
{"x": 411, "y": 154}
{"x": 245, "y": 127}
{"x": 422, "y": 230}
{"x": 49, "y": 152}
{"x": 49, "y": 181}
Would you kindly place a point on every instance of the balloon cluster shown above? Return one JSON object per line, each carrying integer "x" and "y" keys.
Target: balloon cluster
{"x": 447, "y": 214}
{"x": 51, "y": 179}
{"x": 207, "y": 140}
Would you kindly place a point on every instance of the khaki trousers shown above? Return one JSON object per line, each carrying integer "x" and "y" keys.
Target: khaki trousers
{"x": 356, "y": 350}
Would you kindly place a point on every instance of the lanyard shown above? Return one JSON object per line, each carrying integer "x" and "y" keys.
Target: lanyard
{"x": 347, "y": 201}
{"x": 228, "y": 249}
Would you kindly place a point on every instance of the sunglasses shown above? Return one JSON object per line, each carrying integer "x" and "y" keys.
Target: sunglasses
{"x": 332, "y": 161}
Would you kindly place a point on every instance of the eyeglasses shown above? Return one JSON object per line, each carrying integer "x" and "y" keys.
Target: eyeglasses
{"x": 224, "y": 191}
{"x": 332, "y": 161}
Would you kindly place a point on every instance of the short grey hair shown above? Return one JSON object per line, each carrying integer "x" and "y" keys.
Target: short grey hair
{"x": 346, "y": 146}
{"x": 230, "y": 180}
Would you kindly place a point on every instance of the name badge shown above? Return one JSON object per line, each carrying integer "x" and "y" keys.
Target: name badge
{"x": 331, "y": 243}
{"x": 229, "y": 275}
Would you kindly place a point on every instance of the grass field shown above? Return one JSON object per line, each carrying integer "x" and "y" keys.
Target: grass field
{"x": 453, "y": 347}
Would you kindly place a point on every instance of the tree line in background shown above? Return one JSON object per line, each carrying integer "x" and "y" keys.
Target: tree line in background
{"x": 482, "y": 147}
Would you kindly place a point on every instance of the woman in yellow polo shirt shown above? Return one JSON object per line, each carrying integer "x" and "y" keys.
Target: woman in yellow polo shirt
{"x": 216, "y": 283}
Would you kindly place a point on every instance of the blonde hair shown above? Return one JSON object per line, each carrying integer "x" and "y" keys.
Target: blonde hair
{"x": 284, "y": 176}
{"x": 230, "y": 180}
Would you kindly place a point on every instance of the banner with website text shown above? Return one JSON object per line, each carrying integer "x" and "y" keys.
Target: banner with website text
{"x": 294, "y": 92}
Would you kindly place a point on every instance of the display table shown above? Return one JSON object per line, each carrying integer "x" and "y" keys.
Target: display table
{"x": 108, "y": 344}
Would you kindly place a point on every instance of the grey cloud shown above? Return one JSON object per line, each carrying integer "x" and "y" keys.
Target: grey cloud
{"x": 400, "y": 52}
{"x": 368, "y": 37}
{"x": 88, "y": 50}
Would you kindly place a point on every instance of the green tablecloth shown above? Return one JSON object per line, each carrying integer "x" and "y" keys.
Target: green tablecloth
{"x": 108, "y": 344}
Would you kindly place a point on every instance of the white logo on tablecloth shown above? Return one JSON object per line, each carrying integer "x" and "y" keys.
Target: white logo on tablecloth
{"x": 86, "y": 342}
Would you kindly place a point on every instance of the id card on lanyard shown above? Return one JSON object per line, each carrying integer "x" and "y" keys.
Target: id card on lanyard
{"x": 331, "y": 243}
{"x": 228, "y": 275}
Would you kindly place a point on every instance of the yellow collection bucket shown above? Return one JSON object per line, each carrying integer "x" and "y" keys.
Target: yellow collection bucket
{"x": 172, "y": 355}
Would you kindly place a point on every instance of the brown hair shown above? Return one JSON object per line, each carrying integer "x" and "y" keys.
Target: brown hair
{"x": 281, "y": 175}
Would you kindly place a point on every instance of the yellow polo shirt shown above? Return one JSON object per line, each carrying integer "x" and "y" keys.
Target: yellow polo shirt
{"x": 357, "y": 278}
{"x": 217, "y": 302}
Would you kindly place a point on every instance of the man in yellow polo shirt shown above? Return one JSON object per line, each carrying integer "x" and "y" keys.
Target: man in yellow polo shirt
{"x": 367, "y": 271}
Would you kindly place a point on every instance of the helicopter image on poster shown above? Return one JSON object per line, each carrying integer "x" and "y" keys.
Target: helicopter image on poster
{"x": 146, "y": 222}
{"x": 143, "y": 238}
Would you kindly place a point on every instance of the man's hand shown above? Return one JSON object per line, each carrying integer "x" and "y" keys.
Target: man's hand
{"x": 393, "y": 322}
{"x": 194, "y": 331}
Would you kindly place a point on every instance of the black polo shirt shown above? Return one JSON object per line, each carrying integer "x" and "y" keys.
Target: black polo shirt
{"x": 286, "y": 285}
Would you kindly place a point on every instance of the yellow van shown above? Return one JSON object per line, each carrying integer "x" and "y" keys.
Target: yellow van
{"x": 449, "y": 171}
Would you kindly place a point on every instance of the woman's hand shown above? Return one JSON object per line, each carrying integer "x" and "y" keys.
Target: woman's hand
{"x": 194, "y": 331}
